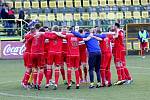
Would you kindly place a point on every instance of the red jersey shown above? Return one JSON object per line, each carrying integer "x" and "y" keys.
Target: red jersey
{"x": 38, "y": 43}
{"x": 46, "y": 47}
{"x": 105, "y": 45}
{"x": 72, "y": 45}
{"x": 82, "y": 47}
{"x": 55, "y": 42}
{"x": 51, "y": 45}
{"x": 28, "y": 42}
{"x": 64, "y": 46}
{"x": 119, "y": 42}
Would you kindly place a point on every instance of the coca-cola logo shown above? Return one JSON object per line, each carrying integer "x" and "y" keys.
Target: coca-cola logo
{"x": 13, "y": 50}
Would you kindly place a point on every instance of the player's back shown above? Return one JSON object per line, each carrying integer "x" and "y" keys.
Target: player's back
{"x": 105, "y": 45}
{"x": 72, "y": 45}
{"x": 28, "y": 42}
{"x": 59, "y": 45}
{"x": 46, "y": 47}
{"x": 37, "y": 46}
{"x": 119, "y": 42}
{"x": 55, "y": 42}
{"x": 64, "y": 45}
{"x": 52, "y": 37}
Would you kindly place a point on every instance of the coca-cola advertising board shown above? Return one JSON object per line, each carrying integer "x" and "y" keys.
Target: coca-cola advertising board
{"x": 11, "y": 49}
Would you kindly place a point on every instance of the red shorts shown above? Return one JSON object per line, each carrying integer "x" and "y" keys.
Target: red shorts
{"x": 119, "y": 56}
{"x": 37, "y": 60}
{"x": 64, "y": 58}
{"x": 27, "y": 60}
{"x": 54, "y": 58}
{"x": 83, "y": 57}
{"x": 46, "y": 57}
{"x": 144, "y": 45}
{"x": 73, "y": 62}
{"x": 106, "y": 60}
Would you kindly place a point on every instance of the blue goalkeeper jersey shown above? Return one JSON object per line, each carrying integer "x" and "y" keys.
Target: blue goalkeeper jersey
{"x": 93, "y": 44}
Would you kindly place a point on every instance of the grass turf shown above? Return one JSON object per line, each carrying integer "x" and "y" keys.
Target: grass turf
{"x": 11, "y": 72}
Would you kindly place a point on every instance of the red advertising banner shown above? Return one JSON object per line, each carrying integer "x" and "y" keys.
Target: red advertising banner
{"x": 11, "y": 49}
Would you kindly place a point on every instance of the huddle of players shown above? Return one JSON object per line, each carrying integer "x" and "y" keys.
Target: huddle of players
{"x": 45, "y": 48}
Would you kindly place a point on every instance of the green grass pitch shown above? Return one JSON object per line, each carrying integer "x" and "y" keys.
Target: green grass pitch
{"x": 11, "y": 72}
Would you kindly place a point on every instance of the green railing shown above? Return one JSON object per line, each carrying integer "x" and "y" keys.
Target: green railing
{"x": 18, "y": 30}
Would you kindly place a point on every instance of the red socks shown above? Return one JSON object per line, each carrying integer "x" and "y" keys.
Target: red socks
{"x": 80, "y": 73}
{"x": 142, "y": 52}
{"x": 40, "y": 78}
{"x": 34, "y": 78}
{"x": 119, "y": 73}
{"x": 122, "y": 73}
{"x": 26, "y": 78}
{"x": 127, "y": 73}
{"x": 48, "y": 75}
{"x": 108, "y": 76}
{"x": 103, "y": 76}
{"x": 77, "y": 77}
{"x": 51, "y": 74}
{"x": 56, "y": 76}
{"x": 63, "y": 73}
{"x": 69, "y": 76}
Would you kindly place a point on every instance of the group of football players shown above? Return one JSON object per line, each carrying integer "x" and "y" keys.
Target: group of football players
{"x": 62, "y": 50}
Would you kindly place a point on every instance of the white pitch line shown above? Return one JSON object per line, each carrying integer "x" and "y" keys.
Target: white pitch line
{"x": 8, "y": 82}
{"x": 139, "y": 68}
{"x": 141, "y": 73}
{"x": 45, "y": 97}
{"x": 36, "y": 97}
{"x": 135, "y": 67}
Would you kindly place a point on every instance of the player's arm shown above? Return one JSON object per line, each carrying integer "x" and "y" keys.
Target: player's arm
{"x": 60, "y": 35}
{"x": 139, "y": 36}
{"x": 116, "y": 35}
{"x": 27, "y": 37}
{"x": 97, "y": 38}
{"x": 87, "y": 39}
{"x": 50, "y": 36}
{"x": 147, "y": 34}
{"x": 102, "y": 36}
{"x": 77, "y": 34}
{"x": 38, "y": 34}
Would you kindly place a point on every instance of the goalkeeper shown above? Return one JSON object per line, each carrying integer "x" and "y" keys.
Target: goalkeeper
{"x": 143, "y": 38}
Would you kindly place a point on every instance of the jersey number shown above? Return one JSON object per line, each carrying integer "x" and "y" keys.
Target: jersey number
{"x": 74, "y": 44}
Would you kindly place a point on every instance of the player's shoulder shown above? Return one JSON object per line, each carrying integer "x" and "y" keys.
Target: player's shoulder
{"x": 64, "y": 33}
{"x": 69, "y": 35}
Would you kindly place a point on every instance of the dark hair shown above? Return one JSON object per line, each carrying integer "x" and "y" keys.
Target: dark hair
{"x": 45, "y": 27}
{"x": 117, "y": 25}
{"x": 4, "y": 4}
{"x": 64, "y": 26}
{"x": 109, "y": 29}
{"x": 49, "y": 28}
{"x": 98, "y": 31}
{"x": 42, "y": 30}
{"x": 86, "y": 30}
{"x": 81, "y": 30}
{"x": 95, "y": 26}
{"x": 37, "y": 26}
